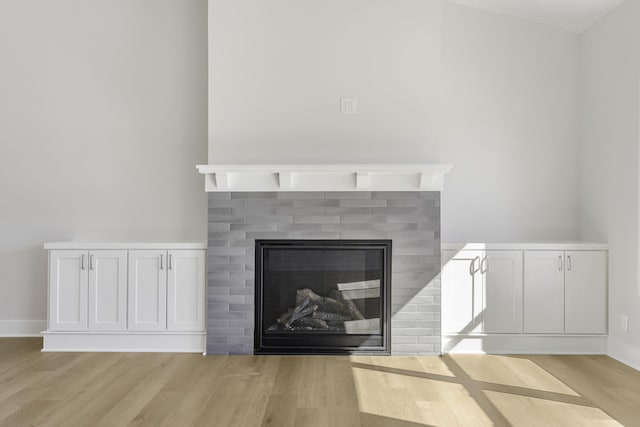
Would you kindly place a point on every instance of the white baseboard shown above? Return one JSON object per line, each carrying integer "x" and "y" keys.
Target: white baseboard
{"x": 524, "y": 344}
{"x": 624, "y": 352}
{"x": 22, "y": 328}
{"x": 174, "y": 342}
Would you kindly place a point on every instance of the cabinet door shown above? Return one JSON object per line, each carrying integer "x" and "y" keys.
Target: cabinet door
{"x": 68, "y": 282}
{"x": 107, "y": 290}
{"x": 461, "y": 292}
{"x": 585, "y": 292}
{"x": 147, "y": 291}
{"x": 185, "y": 291}
{"x": 502, "y": 271}
{"x": 544, "y": 291}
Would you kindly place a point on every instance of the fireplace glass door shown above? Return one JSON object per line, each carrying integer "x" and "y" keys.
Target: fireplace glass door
{"x": 322, "y": 296}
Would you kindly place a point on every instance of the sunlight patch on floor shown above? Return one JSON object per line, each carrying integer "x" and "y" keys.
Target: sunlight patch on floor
{"x": 510, "y": 371}
{"x": 424, "y": 364}
{"x": 522, "y": 411}
{"x": 416, "y": 399}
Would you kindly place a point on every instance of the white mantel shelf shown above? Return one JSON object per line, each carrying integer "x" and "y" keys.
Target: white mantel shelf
{"x": 395, "y": 177}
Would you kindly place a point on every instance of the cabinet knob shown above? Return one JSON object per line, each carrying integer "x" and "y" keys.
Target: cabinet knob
{"x": 82, "y": 263}
{"x": 161, "y": 262}
{"x": 560, "y": 263}
{"x": 569, "y": 263}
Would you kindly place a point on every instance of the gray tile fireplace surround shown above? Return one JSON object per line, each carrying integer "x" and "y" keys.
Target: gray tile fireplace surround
{"x": 410, "y": 219}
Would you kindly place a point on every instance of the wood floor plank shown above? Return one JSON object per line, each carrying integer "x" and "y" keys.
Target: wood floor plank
{"x": 196, "y": 392}
{"x": 240, "y": 393}
{"x": 281, "y": 410}
{"x": 163, "y": 389}
{"x": 32, "y": 384}
{"x": 123, "y": 412}
{"x": 96, "y": 398}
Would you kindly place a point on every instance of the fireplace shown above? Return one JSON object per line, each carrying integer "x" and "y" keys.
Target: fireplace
{"x": 322, "y": 296}
{"x": 409, "y": 219}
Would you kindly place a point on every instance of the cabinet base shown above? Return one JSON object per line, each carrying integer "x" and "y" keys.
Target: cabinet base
{"x": 524, "y": 344}
{"x": 176, "y": 342}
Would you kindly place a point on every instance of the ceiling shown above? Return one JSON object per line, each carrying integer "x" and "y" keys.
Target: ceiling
{"x": 570, "y": 15}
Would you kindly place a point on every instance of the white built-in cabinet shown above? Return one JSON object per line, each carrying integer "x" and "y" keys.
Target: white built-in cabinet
{"x": 585, "y": 292}
{"x": 88, "y": 290}
{"x": 135, "y": 297}
{"x": 166, "y": 290}
{"x": 461, "y": 292}
{"x": 524, "y": 298}
{"x": 147, "y": 290}
{"x": 68, "y": 291}
{"x": 482, "y": 291}
{"x": 502, "y": 303}
{"x": 108, "y": 290}
{"x": 565, "y": 292}
{"x": 185, "y": 290}
{"x": 544, "y": 292}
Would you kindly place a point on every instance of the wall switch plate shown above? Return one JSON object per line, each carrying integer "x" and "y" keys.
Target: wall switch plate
{"x": 624, "y": 323}
{"x": 349, "y": 105}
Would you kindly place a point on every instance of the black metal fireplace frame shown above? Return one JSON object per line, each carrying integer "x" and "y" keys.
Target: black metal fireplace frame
{"x": 313, "y": 344}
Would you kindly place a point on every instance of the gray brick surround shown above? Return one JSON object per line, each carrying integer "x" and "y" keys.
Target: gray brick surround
{"x": 410, "y": 219}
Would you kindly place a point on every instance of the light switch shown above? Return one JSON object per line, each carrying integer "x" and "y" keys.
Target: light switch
{"x": 349, "y": 105}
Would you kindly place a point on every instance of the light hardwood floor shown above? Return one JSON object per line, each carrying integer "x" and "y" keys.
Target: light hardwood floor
{"x": 162, "y": 389}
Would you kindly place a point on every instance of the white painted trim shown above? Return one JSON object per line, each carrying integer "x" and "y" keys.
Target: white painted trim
{"x": 324, "y": 177}
{"x": 535, "y": 246}
{"x": 76, "y": 245}
{"x": 363, "y": 180}
{"x": 222, "y": 180}
{"x": 524, "y": 344}
{"x": 284, "y": 180}
{"x": 22, "y": 328}
{"x": 624, "y": 352}
{"x": 124, "y": 342}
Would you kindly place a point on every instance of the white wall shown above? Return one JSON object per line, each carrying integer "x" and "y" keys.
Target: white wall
{"x": 436, "y": 82}
{"x": 279, "y": 68}
{"x": 510, "y": 109}
{"x": 103, "y": 115}
{"x": 610, "y": 76}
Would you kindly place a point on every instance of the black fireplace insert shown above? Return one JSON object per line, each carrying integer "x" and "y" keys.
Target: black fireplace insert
{"x": 322, "y": 296}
